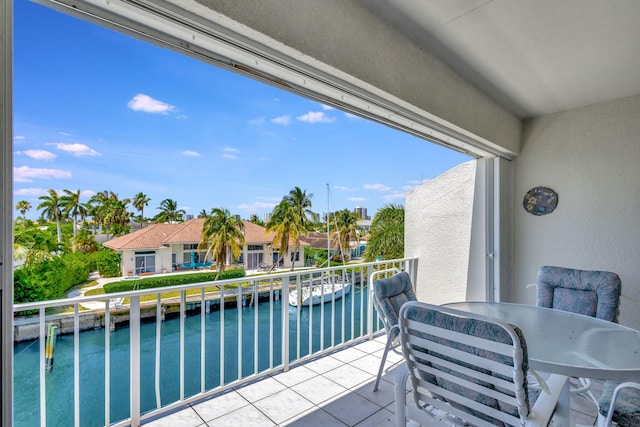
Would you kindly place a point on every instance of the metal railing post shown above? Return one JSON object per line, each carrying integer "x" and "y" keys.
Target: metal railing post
{"x": 285, "y": 323}
{"x": 134, "y": 373}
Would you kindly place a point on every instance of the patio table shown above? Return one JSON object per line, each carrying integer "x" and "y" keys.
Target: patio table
{"x": 561, "y": 342}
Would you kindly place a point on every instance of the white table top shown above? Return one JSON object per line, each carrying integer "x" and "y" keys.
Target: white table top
{"x": 567, "y": 343}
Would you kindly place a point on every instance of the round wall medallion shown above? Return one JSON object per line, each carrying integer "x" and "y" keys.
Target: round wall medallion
{"x": 540, "y": 201}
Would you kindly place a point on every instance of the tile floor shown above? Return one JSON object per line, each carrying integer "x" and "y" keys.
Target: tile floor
{"x": 334, "y": 390}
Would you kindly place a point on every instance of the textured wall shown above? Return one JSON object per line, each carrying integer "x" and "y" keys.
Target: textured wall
{"x": 346, "y": 36}
{"x": 438, "y": 230}
{"x": 591, "y": 157}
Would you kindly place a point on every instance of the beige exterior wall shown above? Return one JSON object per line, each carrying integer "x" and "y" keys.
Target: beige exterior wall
{"x": 591, "y": 157}
{"x": 444, "y": 227}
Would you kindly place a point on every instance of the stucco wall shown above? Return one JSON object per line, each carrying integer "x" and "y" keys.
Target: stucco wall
{"x": 591, "y": 157}
{"x": 438, "y": 230}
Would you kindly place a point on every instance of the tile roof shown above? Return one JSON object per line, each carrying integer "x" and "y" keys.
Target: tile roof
{"x": 158, "y": 235}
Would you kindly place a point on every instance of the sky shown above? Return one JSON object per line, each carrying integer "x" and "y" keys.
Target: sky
{"x": 97, "y": 110}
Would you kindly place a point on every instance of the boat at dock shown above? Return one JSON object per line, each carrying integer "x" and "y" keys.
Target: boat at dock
{"x": 317, "y": 291}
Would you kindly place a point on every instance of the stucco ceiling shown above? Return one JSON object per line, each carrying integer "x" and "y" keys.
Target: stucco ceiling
{"x": 533, "y": 57}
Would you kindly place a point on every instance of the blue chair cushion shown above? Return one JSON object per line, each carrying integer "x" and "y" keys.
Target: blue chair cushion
{"x": 592, "y": 293}
{"x": 391, "y": 293}
{"x": 627, "y": 410}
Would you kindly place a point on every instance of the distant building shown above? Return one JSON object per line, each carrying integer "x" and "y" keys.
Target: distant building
{"x": 267, "y": 216}
{"x": 362, "y": 212}
{"x": 188, "y": 217}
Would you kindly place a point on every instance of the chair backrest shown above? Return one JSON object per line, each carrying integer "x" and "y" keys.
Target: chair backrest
{"x": 592, "y": 293}
{"x": 473, "y": 367}
{"x": 389, "y": 294}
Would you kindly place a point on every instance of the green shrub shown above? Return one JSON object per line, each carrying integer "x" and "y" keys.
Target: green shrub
{"x": 108, "y": 263}
{"x": 171, "y": 280}
{"x": 51, "y": 278}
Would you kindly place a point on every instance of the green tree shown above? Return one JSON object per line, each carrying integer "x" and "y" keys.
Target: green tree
{"x": 23, "y": 207}
{"x": 345, "y": 231}
{"x": 72, "y": 207}
{"x": 285, "y": 224}
{"x": 169, "y": 211}
{"x": 203, "y": 214}
{"x": 141, "y": 200}
{"x": 298, "y": 223}
{"x": 51, "y": 206}
{"x": 255, "y": 220}
{"x": 221, "y": 233}
{"x": 386, "y": 238}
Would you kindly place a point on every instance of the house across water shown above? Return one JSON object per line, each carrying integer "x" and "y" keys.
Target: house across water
{"x": 168, "y": 247}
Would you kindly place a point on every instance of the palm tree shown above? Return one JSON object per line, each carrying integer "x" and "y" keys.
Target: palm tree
{"x": 141, "y": 200}
{"x": 386, "y": 238}
{"x": 345, "y": 230}
{"x": 23, "y": 207}
{"x": 301, "y": 202}
{"x": 203, "y": 214}
{"x": 222, "y": 232}
{"x": 169, "y": 211}
{"x": 117, "y": 215}
{"x": 286, "y": 224}
{"x": 72, "y": 207}
{"x": 52, "y": 209}
{"x": 255, "y": 220}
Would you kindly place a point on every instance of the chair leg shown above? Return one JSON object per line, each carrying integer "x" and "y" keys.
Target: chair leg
{"x": 382, "y": 362}
{"x": 400, "y": 391}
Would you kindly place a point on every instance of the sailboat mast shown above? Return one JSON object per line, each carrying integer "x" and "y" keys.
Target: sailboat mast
{"x": 328, "y": 229}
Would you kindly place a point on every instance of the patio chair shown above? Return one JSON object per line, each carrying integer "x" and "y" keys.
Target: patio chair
{"x": 467, "y": 369}
{"x": 619, "y": 403}
{"x": 592, "y": 293}
{"x": 389, "y": 294}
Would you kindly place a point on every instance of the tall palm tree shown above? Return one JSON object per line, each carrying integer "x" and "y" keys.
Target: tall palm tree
{"x": 221, "y": 233}
{"x": 23, "y": 207}
{"x": 52, "y": 209}
{"x": 169, "y": 211}
{"x": 99, "y": 207}
{"x": 286, "y": 224}
{"x": 386, "y": 237}
{"x": 72, "y": 207}
{"x": 117, "y": 215}
{"x": 300, "y": 201}
{"x": 203, "y": 214}
{"x": 141, "y": 200}
{"x": 345, "y": 230}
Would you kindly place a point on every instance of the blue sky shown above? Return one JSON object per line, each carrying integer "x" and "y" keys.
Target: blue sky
{"x": 97, "y": 110}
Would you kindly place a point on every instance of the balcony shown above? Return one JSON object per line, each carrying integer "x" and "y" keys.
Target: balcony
{"x": 124, "y": 358}
{"x": 163, "y": 371}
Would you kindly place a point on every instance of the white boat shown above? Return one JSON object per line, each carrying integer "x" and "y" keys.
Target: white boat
{"x": 317, "y": 291}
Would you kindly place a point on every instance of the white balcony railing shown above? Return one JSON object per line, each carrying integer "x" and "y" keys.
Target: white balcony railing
{"x": 142, "y": 353}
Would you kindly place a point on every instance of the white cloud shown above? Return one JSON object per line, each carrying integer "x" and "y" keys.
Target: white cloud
{"x": 230, "y": 150}
{"x": 191, "y": 153}
{"x": 38, "y": 154}
{"x": 344, "y": 188}
{"x": 356, "y": 199}
{"x": 142, "y": 102}
{"x": 327, "y": 107}
{"x": 27, "y": 174}
{"x": 352, "y": 116}
{"x": 185, "y": 208}
{"x": 77, "y": 150}
{"x": 376, "y": 187}
{"x": 229, "y": 156}
{"x": 19, "y": 138}
{"x": 315, "y": 117}
{"x": 394, "y": 196}
{"x": 181, "y": 117}
{"x": 254, "y": 206}
{"x": 87, "y": 193}
{"x": 31, "y": 192}
{"x": 282, "y": 120}
{"x": 64, "y": 133}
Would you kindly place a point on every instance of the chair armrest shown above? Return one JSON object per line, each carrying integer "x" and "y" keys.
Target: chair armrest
{"x": 547, "y": 401}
